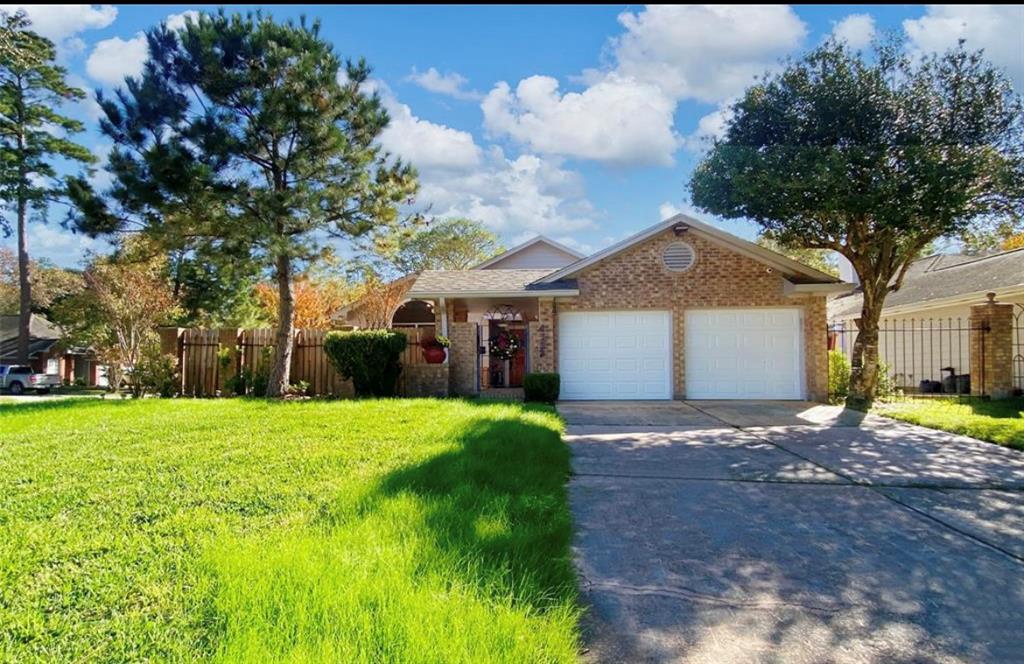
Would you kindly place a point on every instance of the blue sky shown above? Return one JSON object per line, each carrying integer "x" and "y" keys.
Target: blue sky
{"x": 581, "y": 123}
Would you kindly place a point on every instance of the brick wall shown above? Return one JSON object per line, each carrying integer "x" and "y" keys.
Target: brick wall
{"x": 992, "y": 349}
{"x": 462, "y": 358}
{"x": 425, "y": 380}
{"x": 542, "y": 337}
{"x": 720, "y": 277}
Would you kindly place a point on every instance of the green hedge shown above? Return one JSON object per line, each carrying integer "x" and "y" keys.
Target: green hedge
{"x": 542, "y": 387}
{"x": 370, "y": 358}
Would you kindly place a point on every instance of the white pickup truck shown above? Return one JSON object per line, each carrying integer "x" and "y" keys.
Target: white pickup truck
{"x": 16, "y": 378}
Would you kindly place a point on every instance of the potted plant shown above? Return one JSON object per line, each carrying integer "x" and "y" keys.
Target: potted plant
{"x": 434, "y": 350}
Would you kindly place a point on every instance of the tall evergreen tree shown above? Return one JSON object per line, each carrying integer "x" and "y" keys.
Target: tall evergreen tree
{"x": 245, "y": 132}
{"x": 33, "y": 136}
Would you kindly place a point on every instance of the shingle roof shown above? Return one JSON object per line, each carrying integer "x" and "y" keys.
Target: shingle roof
{"x": 42, "y": 336}
{"x": 435, "y": 282}
{"x": 944, "y": 276}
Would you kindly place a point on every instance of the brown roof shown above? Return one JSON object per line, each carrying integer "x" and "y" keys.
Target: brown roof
{"x": 482, "y": 282}
{"x": 943, "y": 276}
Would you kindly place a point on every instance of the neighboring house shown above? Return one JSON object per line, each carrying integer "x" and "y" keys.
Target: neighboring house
{"x": 925, "y": 325}
{"x": 679, "y": 310}
{"x": 47, "y": 352}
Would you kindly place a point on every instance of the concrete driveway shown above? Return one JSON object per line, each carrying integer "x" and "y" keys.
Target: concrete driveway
{"x": 792, "y": 532}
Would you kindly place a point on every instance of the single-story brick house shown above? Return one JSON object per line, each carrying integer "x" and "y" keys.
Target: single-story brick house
{"x": 48, "y": 353}
{"x": 679, "y": 310}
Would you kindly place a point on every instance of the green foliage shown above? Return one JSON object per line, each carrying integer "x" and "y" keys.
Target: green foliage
{"x": 250, "y": 134}
{"x": 153, "y": 373}
{"x": 442, "y": 341}
{"x": 822, "y": 260}
{"x": 370, "y": 358}
{"x": 446, "y": 244}
{"x": 33, "y": 134}
{"x": 249, "y": 381}
{"x": 838, "y": 376}
{"x": 296, "y": 531}
{"x": 872, "y": 157}
{"x": 543, "y": 387}
{"x": 887, "y": 388}
{"x": 1000, "y": 422}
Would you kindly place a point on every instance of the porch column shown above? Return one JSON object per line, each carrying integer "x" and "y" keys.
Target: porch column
{"x": 992, "y": 349}
{"x": 464, "y": 358}
{"x": 542, "y": 337}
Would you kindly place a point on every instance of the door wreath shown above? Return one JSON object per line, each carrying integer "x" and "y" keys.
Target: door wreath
{"x": 504, "y": 345}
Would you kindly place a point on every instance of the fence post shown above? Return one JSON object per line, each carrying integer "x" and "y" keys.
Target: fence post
{"x": 170, "y": 344}
{"x": 992, "y": 349}
{"x": 228, "y": 338}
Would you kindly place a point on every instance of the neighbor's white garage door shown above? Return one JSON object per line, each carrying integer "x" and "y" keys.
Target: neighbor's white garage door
{"x": 615, "y": 354}
{"x": 744, "y": 354}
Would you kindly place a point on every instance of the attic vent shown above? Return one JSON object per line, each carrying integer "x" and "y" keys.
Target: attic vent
{"x": 679, "y": 257}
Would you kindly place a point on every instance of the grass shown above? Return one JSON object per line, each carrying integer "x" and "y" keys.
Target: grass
{"x": 254, "y": 531}
{"x": 995, "y": 421}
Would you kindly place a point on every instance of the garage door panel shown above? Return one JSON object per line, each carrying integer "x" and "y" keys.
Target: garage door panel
{"x": 615, "y": 355}
{"x": 744, "y": 354}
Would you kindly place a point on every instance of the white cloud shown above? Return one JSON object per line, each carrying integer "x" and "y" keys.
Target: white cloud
{"x": 666, "y": 210}
{"x": 515, "y": 197}
{"x": 709, "y": 127}
{"x": 857, "y": 30}
{"x": 177, "y": 21}
{"x": 625, "y": 115}
{"x": 62, "y": 246}
{"x": 112, "y": 60}
{"x": 996, "y": 28}
{"x": 709, "y": 52}
{"x": 426, "y": 144}
{"x": 59, "y": 22}
{"x": 451, "y": 84}
{"x": 617, "y": 120}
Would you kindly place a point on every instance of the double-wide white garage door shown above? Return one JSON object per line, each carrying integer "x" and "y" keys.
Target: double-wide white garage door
{"x": 729, "y": 354}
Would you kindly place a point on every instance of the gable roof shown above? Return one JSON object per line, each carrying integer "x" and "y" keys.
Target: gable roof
{"x": 43, "y": 335}
{"x": 795, "y": 271}
{"x": 945, "y": 279}
{"x": 519, "y": 248}
{"x": 487, "y": 283}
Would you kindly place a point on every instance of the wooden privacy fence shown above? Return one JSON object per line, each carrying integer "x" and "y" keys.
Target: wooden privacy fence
{"x": 209, "y": 358}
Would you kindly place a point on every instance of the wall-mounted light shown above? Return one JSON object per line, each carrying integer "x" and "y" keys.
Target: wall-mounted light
{"x": 680, "y": 229}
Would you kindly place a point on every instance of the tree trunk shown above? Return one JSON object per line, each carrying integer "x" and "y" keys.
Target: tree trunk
{"x": 864, "y": 363}
{"x": 281, "y": 373}
{"x": 25, "y": 286}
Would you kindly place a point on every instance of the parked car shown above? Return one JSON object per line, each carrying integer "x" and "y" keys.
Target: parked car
{"x": 16, "y": 378}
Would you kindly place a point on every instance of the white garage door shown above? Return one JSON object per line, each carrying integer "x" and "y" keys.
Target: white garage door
{"x": 615, "y": 354}
{"x": 744, "y": 354}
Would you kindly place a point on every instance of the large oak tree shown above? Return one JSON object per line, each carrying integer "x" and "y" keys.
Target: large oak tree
{"x": 872, "y": 157}
{"x": 246, "y": 132}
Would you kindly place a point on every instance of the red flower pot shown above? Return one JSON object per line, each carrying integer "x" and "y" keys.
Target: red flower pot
{"x": 433, "y": 354}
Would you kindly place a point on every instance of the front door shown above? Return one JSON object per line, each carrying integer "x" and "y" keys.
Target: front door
{"x": 506, "y": 353}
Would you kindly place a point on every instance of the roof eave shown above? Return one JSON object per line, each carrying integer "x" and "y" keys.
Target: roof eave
{"x": 552, "y": 292}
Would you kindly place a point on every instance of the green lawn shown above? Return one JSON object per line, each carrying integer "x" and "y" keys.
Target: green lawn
{"x": 236, "y": 530}
{"x": 995, "y": 421}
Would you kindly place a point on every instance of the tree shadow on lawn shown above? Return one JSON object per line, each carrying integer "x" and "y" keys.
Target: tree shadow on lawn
{"x": 464, "y": 555}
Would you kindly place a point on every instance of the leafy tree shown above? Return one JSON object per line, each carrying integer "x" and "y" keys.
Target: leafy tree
{"x": 49, "y": 284}
{"x": 117, "y": 313}
{"x": 447, "y": 244}
{"x": 33, "y": 134}
{"x": 822, "y": 260}
{"x": 244, "y": 132}
{"x": 871, "y": 158}
{"x": 316, "y": 301}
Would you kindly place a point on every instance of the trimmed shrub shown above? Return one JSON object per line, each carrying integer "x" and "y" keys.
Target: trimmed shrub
{"x": 370, "y": 358}
{"x": 838, "y": 376}
{"x": 542, "y": 387}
